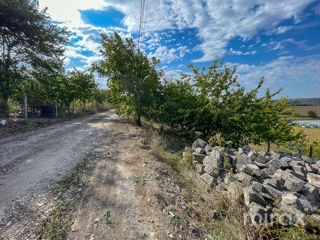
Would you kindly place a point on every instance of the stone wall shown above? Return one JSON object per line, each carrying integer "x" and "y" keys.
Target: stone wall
{"x": 269, "y": 183}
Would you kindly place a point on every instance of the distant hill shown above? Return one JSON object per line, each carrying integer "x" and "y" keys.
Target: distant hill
{"x": 303, "y": 101}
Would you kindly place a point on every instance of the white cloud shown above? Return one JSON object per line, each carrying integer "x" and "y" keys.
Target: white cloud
{"x": 66, "y": 61}
{"x": 100, "y": 81}
{"x": 172, "y": 74}
{"x": 67, "y": 11}
{"x": 167, "y": 55}
{"x": 283, "y": 29}
{"x": 225, "y": 20}
{"x": 73, "y": 52}
{"x": 281, "y": 45}
{"x": 286, "y": 72}
{"x": 216, "y": 21}
{"x": 236, "y": 52}
{"x": 93, "y": 59}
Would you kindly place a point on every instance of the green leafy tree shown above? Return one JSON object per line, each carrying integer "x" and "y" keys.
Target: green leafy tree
{"x": 131, "y": 76}
{"x": 64, "y": 92}
{"x": 238, "y": 115}
{"x": 212, "y": 88}
{"x": 102, "y": 95}
{"x": 176, "y": 106}
{"x": 37, "y": 95}
{"x": 29, "y": 42}
{"x": 82, "y": 85}
{"x": 41, "y": 87}
{"x": 273, "y": 120}
{"x": 219, "y": 105}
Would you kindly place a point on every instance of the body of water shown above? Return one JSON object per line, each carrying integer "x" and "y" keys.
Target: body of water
{"x": 308, "y": 123}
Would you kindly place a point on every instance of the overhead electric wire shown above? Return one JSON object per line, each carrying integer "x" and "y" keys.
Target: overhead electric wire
{"x": 140, "y": 22}
{"x": 145, "y": 16}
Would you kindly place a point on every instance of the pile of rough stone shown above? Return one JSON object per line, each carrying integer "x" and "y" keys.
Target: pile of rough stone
{"x": 268, "y": 182}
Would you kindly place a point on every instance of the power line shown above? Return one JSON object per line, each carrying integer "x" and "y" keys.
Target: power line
{"x": 145, "y": 16}
{"x": 141, "y": 20}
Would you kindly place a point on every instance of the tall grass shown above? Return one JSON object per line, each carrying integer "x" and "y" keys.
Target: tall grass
{"x": 312, "y": 139}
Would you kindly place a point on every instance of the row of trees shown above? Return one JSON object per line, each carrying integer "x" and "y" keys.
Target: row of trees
{"x": 66, "y": 89}
{"x": 31, "y": 60}
{"x": 210, "y": 101}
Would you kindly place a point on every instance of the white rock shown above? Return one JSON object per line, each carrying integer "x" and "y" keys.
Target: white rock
{"x": 314, "y": 179}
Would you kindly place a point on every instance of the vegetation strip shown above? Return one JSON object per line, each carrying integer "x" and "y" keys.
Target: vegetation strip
{"x": 57, "y": 224}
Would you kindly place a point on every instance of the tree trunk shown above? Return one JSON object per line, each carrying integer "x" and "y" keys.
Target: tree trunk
{"x": 138, "y": 117}
{"x": 161, "y": 128}
{"x": 268, "y": 150}
{"x": 138, "y": 120}
{"x": 5, "y": 100}
{"x": 4, "y": 105}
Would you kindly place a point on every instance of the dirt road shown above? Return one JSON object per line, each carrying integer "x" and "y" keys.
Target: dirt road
{"x": 125, "y": 194}
{"x": 31, "y": 160}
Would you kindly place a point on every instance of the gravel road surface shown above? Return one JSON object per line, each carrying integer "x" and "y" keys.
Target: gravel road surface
{"x": 29, "y": 161}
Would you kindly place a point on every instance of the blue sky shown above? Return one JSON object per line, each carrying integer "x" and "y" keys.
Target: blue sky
{"x": 279, "y": 40}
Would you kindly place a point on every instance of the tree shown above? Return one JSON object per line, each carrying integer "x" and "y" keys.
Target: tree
{"x": 219, "y": 105}
{"x": 273, "y": 120}
{"x": 101, "y": 95}
{"x": 29, "y": 42}
{"x": 131, "y": 76}
{"x": 82, "y": 86}
{"x": 312, "y": 114}
{"x": 175, "y": 105}
{"x": 213, "y": 88}
{"x": 64, "y": 91}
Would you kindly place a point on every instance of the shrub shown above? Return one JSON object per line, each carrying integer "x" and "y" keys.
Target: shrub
{"x": 312, "y": 114}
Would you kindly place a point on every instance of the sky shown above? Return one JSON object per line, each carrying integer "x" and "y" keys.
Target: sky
{"x": 275, "y": 39}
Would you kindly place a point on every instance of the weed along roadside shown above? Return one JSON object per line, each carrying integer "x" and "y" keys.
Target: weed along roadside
{"x": 67, "y": 192}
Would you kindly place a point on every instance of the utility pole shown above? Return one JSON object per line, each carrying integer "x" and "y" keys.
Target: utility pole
{"x": 25, "y": 107}
{"x": 56, "y": 107}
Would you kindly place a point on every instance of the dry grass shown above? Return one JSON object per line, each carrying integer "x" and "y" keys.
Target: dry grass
{"x": 55, "y": 225}
{"x": 273, "y": 147}
{"x": 303, "y": 110}
{"x": 312, "y": 136}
